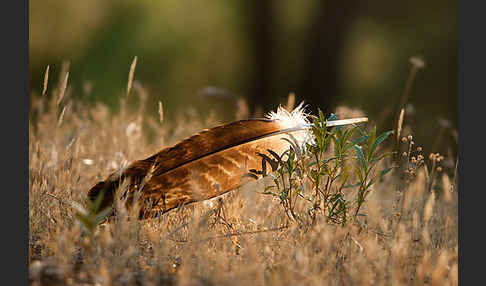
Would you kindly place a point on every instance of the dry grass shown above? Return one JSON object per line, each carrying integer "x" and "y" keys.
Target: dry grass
{"x": 409, "y": 235}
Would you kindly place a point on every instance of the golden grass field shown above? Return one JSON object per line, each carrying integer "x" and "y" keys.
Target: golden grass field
{"x": 409, "y": 236}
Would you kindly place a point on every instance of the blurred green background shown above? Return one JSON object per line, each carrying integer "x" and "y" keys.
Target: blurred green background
{"x": 354, "y": 53}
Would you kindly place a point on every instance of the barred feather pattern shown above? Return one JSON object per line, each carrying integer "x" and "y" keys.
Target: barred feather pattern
{"x": 205, "y": 165}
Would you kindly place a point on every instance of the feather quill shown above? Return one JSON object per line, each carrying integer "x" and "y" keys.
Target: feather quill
{"x": 207, "y": 164}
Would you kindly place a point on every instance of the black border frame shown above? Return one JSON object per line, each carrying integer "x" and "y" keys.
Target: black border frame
{"x": 472, "y": 59}
{"x": 15, "y": 87}
{"x": 15, "y": 160}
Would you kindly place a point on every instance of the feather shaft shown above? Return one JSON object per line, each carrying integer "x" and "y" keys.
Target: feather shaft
{"x": 347, "y": 121}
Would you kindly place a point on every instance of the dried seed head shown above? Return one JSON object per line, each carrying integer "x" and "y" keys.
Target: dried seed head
{"x": 404, "y": 154}
{"x": 419, "y": 149}
{"x": 439, "y": 169}
{"x": 444, "y": 123}
{"x": 417, "y": 62}
{"x": 404, "y": 139}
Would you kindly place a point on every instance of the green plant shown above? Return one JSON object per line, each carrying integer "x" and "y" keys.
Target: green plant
{"x": 320, "y": 172}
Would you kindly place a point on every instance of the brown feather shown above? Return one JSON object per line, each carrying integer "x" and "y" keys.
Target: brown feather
{"x": 200, "y": 167}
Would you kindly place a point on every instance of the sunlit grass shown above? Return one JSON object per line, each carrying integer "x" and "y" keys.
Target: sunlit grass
{"x": 406, "y": 232}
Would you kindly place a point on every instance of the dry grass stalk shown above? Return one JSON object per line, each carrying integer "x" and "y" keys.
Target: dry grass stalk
{"x": 62, "y": 89}
{"x": 161, "y": 112}
{"x": 61, "y": 117}
{"x": 46, "y": 79}
{"x": 242, "y": 110}
{"x": 290, "y": 102}
{"x": 400, "y": 122}
{"x": 131, "y": 74}
{"x": 417, "y": 64}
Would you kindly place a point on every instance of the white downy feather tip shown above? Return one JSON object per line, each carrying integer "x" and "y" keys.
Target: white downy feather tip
{"x": 296, "y": 120}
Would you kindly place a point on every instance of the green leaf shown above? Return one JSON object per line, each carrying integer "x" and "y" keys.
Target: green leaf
{"x": 86, "y": 221}
{"x": 97, "y": 203}
{"x": 359, "y": 174}
{"x": 348, "y": 134}
{"x": 360, "y": 139}
{"x": 332, "y": 117}
{"x": 379, "y": 140}
{"x": 361, "y": 132}
{"x": 360, "y": 155}
{"x": 336, "y": 144}
{"x": 322, "y": 118}
{"x": 311, "y": 164}
{"x": 385, "y": 171}
{"x": 325, "y": 161}
{"x": 373, "y": 134}
{"x": 335, "y": 201}
{"x": 381, "y": 157}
